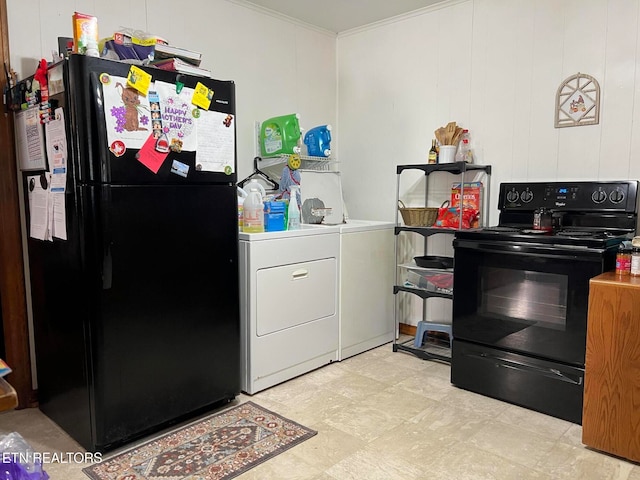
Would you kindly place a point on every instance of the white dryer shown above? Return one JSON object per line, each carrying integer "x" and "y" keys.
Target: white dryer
{"x": 288, "y": 303}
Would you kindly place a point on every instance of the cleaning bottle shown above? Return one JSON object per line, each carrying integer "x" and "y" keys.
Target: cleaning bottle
{"x": 318, "y": 141}
{"x": 241, "y": 196}
{"x": 254, "y": 183}
{"x": 253, "y": 209}
{"x": 293, "y": 212}
{"x": 280, "y": 135}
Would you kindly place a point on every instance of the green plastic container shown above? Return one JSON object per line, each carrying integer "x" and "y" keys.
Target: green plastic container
{"x": 280, "y": 135}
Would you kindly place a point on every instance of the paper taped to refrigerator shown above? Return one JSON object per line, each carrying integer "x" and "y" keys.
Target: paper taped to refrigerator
{"x": 47, "y": 208}
{"x": 57, "y": 143}
{"x": 216, "y": 142}
{"x": 38, "y": 206}
{"x": 30, "y": 140}
{"x": 126, "y": 111}
{"x": 177, "y": 114}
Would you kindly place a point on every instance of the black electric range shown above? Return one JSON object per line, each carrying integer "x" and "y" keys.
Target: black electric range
{"x": 521, "y": 295}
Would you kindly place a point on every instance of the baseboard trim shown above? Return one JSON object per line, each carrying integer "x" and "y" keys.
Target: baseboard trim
{"x": 406, "y": 329}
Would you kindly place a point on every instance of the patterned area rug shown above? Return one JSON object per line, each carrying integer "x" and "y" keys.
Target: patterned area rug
{"x": 221, "y": 446}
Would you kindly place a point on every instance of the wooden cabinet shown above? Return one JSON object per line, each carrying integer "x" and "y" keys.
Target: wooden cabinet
{"x": 611, "y": 412}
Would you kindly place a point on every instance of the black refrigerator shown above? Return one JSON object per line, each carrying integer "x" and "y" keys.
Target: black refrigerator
{"x": 136, "y": 313}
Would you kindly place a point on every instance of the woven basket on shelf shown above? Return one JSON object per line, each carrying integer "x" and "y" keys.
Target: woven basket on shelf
{"x": 418, "y": 217}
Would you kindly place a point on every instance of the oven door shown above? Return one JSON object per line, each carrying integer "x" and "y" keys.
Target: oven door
{"x": 525, "y": 298}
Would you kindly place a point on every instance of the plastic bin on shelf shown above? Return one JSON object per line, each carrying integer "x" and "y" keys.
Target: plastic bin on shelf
{"x": 432, "y": 280}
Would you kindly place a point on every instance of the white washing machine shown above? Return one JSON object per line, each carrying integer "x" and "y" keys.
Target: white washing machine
{"x": 367, "y": 267}
{"x": 288, "y": 303}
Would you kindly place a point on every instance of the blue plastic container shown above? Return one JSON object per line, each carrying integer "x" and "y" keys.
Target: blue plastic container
{"x": 274, "y": 216}
{"x": 318, "y": 141}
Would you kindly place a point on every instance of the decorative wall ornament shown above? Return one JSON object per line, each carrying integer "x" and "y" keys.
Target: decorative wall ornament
{"x": 578, "y": 101}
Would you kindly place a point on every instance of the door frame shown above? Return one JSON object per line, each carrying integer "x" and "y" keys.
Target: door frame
{"x": 13, "y": 296}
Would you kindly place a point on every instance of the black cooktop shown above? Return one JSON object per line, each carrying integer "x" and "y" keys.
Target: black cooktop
{"x": 569, "y": 237}
{"x": 594, "y": 214}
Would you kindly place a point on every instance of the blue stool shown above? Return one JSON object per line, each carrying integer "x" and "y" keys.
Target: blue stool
{"x": 423, "y": 327}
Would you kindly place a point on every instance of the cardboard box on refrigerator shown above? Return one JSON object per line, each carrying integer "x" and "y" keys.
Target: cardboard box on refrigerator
{"x": 85, "y": 33}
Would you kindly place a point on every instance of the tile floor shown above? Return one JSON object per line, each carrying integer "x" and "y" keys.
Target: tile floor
{"x": 385, "y": 415}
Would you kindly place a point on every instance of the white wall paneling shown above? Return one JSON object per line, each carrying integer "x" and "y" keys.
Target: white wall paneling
{"x": 585, "y": 36}
{"x": 620, "y": 80}
{"x": 501, "y": 84}
{"x": 634, "y": 166}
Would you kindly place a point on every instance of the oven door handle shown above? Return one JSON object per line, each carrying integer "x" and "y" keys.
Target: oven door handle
{"x": 529, "y": 249}
{"x": 547, "y": 372}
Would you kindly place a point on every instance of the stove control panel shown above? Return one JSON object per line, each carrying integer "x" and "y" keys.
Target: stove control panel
{"x": 620, "y": 196}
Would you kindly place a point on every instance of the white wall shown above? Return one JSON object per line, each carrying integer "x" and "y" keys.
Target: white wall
{"x": 279, "y": 66}
{"x": 494, "y": 67}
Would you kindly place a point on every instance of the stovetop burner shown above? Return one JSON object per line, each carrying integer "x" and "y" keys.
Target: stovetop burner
{"x": 570, "y": 237}
{"x": 532, "y": 231}
{"x": 498, "y": 228}
{"x": 582, "y": 233}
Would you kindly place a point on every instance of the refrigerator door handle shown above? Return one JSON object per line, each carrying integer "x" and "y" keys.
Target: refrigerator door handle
{"x": 107, "y": 260}
{"x": 107, "y": 269}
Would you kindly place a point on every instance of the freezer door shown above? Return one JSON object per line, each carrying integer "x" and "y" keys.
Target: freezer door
{"x": 121, "y": 135}
{"x": 167, "y": 340}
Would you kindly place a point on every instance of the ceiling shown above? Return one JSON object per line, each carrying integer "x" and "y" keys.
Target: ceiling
{"x": 340, "y": 15}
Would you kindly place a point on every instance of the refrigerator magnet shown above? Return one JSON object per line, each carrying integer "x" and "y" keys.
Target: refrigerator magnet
{"x": 162, "y": 143}
{"x": 179, "y": 84}
{"x": 202, "y": 96}
{"x": 149, "y": 155}
{"x": 176, "y": 145}
{"x": 180, "y": 168}
{"x": 139, "y": 79}
{"x": 118, "y": 148}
